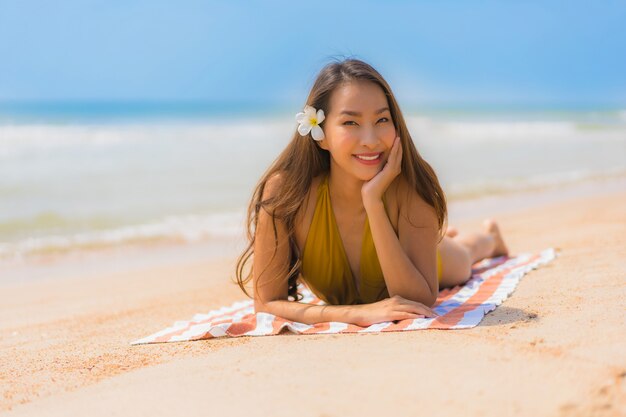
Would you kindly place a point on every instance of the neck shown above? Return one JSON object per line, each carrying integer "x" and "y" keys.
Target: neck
{"x": 345, "y": 192}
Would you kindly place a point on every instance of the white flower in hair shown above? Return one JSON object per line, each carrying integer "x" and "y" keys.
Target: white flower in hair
{"x": 310, "y": 122}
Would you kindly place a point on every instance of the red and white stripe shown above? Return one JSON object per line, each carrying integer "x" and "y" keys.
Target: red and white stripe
{"x": 462, "y": 307}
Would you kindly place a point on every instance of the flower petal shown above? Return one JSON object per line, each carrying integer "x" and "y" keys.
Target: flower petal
{"x": 300, "y": 117}
{"x": 304, "y": 129}
{"x": 317, "y": 133}
{"x": 309, "y": 111}
{"x": 320, "y": 116}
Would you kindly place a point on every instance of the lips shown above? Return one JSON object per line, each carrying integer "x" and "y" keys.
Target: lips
{"x": 370, "y": 158}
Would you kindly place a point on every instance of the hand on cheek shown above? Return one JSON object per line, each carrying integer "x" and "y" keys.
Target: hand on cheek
{"x": 373, "y": 190}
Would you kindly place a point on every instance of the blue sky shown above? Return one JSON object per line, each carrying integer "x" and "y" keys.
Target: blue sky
{"x": 431, "y": 52}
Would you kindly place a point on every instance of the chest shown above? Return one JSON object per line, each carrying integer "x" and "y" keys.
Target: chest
{"x": 350, "y": 226}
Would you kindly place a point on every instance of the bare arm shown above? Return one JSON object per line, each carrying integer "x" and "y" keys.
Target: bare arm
{"x": 270, "y": 273}
{"x": 310, "y": 313}
{"x": 402, "y": 276}
{"x": 270, "y": 283}
{"x": 389, "y": 309}
{"x": 408, "y": 261}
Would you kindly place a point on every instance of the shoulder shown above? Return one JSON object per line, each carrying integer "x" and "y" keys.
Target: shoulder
{"x": 276, "y": 186}
{"x": 273, "y": 185}
{"x": 268, "y": 191}
{"x": 412, "y": 206}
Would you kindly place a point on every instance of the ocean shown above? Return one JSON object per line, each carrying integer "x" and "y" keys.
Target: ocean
{"x": 86, "y": 177}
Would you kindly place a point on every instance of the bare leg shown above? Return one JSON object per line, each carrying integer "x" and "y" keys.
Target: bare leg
{"x": 459, "y": 251}
{"x": 483, "y": 245}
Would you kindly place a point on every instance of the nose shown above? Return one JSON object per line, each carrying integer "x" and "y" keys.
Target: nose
{"x": 369, "y": 138}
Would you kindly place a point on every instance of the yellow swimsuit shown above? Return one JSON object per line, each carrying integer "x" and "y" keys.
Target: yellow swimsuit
{"x": 325, "y": 266}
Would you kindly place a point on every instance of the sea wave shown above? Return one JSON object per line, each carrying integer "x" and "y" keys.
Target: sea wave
{"x": 21, "y": 139}
{"x": 72, "y": 187}
{"x": 477, "y": 131}
{"x": 174, "y": 229}
{"x": 230, "y": 224}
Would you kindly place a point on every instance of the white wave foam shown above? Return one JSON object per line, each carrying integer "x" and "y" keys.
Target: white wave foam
{"x": 190, "y": 228}
{"x": 24, "y": 139}
{"x": 473, "y": 129}
{"x": 512, "y": 130}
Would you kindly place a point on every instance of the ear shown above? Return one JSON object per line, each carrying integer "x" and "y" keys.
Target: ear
{"x": 322, "y": 144}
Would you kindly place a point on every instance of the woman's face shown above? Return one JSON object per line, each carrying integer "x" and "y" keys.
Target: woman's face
{"x": 358, "y": 124}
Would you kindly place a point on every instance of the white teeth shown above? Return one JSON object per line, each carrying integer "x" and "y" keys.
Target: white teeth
{"x": 368, "y": 158}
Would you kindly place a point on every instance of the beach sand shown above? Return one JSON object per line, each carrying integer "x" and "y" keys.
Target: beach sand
{"x": 554, "y": 348}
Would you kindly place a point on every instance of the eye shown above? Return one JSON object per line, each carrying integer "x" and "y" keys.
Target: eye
{"x": 383, "y": 118}
{"x": 348, "y": 121}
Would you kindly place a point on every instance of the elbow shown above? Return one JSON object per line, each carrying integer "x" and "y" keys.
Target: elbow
{"x": 432, "y": 299}
{"x": 260, "y": 307}
{"x": 432, "y": 283}
{"x": 426, "y": 293}
{"x": 428, "y": 300}
{"x": 433, "y": 294}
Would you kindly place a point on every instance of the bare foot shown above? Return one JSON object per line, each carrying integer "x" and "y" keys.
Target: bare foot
{"x": 492, "y": 228}
{"x": 452, "y": 231}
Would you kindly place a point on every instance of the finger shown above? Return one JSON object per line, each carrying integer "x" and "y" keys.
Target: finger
{"x": 398, "y": 150}
{"x": 409, "y": 316}
{"x": 417, "y": 308}
{"x": 429, "y": 311}
{"x": 411, "y": 304}
{"x": 395, "y": 154}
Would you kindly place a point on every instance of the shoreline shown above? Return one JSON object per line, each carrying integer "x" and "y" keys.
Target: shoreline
{"x": 553, "y": 348}
{"x": 137, "y": 257}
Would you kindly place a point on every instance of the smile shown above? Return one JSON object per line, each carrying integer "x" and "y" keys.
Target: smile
{"x": 369, "y": 159}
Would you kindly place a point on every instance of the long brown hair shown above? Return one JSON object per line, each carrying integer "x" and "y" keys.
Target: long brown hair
{"x": 302, "y": 160}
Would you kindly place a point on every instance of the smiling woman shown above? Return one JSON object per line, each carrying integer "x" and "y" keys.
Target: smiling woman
{"x": 351, "y": 209}
{"x": 365, "y": 136}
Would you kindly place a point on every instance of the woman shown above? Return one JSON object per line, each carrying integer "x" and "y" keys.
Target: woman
{"x": 352, "y": 209}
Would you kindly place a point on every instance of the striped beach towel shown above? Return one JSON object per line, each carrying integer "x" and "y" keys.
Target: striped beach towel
{"x": 462, "y": 307}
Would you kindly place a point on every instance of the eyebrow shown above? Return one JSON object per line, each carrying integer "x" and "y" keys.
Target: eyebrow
{"x": 356, "y": 113}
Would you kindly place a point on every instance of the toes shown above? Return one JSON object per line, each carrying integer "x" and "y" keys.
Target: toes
{"x": 492, "y": 228}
